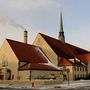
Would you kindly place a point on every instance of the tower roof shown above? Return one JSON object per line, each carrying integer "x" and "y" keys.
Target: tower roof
{"x": 61, "y": 23}
{"x": 61, "y": 36}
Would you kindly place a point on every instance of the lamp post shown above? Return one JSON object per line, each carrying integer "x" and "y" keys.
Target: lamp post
{"x": 30, "y": 72}
{"x": 68, "y": 75}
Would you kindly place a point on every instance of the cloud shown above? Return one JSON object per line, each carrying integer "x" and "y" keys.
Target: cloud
{"x": 25, "y": 4}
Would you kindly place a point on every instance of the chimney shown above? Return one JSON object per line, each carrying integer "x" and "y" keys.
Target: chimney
{"x": 25, "y": 36}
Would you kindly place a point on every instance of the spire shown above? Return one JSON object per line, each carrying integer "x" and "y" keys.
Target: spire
{"x": 61, "y": 33}
{"x": 61, "y": 23}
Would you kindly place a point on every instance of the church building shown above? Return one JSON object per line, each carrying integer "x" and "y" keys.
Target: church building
{"x": 65, "y": 55}
{"x": 46, "y": 58}
{"x": 22, "y": 61}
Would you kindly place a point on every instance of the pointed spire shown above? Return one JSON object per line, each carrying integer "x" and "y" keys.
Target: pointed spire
{"x": 61, "y": 33}
{"x": 61, "y": 23}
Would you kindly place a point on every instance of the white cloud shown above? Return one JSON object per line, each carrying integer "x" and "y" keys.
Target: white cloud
{"x": 25, "y": 4}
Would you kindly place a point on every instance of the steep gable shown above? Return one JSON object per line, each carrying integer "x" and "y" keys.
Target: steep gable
{"x": 49, "y": 52}
{"x": 27, "y": 53}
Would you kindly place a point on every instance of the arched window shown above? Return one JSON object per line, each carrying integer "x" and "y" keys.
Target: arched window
{"x": 5, "y": 61}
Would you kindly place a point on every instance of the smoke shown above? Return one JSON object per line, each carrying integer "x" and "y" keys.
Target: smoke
{"x": 8, "y": 21}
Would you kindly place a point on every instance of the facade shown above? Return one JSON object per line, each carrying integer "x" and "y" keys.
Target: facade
{"x": 17, "y": 57}
{"x": 78, "y": 70}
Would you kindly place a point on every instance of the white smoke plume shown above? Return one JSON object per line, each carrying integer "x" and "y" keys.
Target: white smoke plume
{"x": 8, "y": 21}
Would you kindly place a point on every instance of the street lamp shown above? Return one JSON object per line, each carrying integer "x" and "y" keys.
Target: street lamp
{"x": 68, "y": 75}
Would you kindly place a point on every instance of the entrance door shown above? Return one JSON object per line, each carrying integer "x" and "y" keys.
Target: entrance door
{"x": 8, "y": 74}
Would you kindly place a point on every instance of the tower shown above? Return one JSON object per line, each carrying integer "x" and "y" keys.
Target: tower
{"x": 61, "y": 36}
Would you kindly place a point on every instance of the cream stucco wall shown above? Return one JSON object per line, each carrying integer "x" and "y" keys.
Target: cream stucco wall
{"x": 24, "y": 75}
{"x": 88, "y": 67}
{"x": 73, "y": 74}
{"x": 40, "y": 74}
{"x": 39, "y": 41}
{"x": 7, "y": 53}
{"x": 70, "y": 72}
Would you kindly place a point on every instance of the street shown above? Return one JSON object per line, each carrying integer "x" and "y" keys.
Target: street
{"x": 73, "y": 85}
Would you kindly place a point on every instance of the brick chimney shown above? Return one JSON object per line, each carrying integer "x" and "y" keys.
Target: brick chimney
{"x": 25, "y": 36}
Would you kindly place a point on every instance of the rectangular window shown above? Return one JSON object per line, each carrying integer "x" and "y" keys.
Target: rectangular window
{"x": 83, "y": 68}
{"x": 80, "y": 68}
{"x": 77, "y": 68}
{"x": 4, "y": 61}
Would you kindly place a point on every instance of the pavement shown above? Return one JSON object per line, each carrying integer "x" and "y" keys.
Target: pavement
{"x": 73, "y": 85}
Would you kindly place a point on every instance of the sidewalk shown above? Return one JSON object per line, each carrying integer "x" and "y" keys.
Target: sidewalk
{"x": 74, "y": 85}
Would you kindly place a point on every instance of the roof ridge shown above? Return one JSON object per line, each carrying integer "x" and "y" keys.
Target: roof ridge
{"x": 20, "y": 42}
{"x": 50, "y": 37}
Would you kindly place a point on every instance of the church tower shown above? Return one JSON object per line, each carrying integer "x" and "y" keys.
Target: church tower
{"x": 61, "y": 36}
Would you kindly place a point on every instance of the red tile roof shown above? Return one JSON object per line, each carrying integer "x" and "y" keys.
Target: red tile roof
{"x": 84, "y": 58}
{"x": 65, "y": 62}
{"x": 27, "y": 53}
{"x": 65, "y": 50}
{"x": 39, "y": 66}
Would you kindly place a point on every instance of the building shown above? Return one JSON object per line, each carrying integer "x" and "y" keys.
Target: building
{"x": 21, "y": 61}
{"x": 65, "y": 55}
{"x": 44, "y": 59}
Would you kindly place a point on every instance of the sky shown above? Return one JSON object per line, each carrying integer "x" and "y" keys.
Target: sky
{"x": 44, "y": 16}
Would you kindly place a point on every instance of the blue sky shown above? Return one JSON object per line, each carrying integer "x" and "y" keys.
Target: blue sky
{"x": 44, "y": 16}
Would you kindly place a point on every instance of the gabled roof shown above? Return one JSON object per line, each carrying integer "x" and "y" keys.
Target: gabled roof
{"x": 65, "y": 50}
{"x": 65, "y": 62}
{"x": 39, "y": 66}
{"x": 27, "y": 53}
{"x": 68, "y": 62}
{"x": 84, "y": 58}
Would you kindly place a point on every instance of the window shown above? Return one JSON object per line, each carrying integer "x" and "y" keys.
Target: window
{"x": 80, "y": 68}
{"x": 77, "y": 68}
{"x": 83, "y": 68}
{"x": 5, "y": 61}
